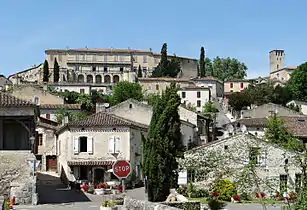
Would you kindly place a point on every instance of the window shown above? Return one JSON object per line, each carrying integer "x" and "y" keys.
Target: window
{"x": 283, "y": 180}
{"x": 40, "y": 139}
{"x": 144, "y": 59}
{"x": 130, "y": 106}
{"x": 114, "y": 144}
{"x": 198, "y": 103}
{"x": 198, "y": 94}
{"x": 157, "y": 87}
{"x": 83, "y": 144}
{"x": 182, "y": 94}
{"x": 121, "y": 69}
{"x": 94, "y": 68}
{"x": 225, "y": 147}
{"x": 48, "y": 116}
{"x": 105, "y": 69}
{"x": 241, "y": 85}
{"x": 135, "y": 68}
{"x": 254, "y": 155}
{"x": 277, "y": 66}
{"x": 36, "y": 100}
{"x": 231, "y": 85}
{"x": 82, "y": 91}
{"x": 231, "y": 91}
{"x": 144, "y": 69}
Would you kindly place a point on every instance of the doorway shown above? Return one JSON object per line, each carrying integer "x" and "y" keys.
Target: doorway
{"x": 99, "y": 175}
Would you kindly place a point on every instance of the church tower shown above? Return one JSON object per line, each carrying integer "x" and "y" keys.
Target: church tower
{"x": 277, "y": 60}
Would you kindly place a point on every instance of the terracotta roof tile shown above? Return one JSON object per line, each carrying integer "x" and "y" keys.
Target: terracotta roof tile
{"x": 60, "y": 106}
{"x": 7, "y": 100}
{"x": 104, "y": 119}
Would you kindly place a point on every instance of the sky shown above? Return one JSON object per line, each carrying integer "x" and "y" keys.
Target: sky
{"x": 242, "y": 29}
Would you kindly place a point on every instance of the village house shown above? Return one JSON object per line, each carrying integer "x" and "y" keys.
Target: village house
{"x": 87, "y": 148}
{"x": 5, "y": 84}
{"x": 216, "y": 86}
{"x": 193, "y": 125}
{"x": 302, "y": 106}
{"x": 195, "y": 96}
{"x": 17, "y": 142}
{"x": 83, "y": 88}
{"x": 51, "y": 111}
{"x": 266, "y": 110}
{"x": 226, "y": 158}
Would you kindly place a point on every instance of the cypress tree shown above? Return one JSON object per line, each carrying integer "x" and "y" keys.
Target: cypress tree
{"x": 163, "y": 145}
{"x": 56, "y": 71}
{"x": 140, "y": 73}
{"x": 46, "y": 72}
{"x": 202, "y": 62}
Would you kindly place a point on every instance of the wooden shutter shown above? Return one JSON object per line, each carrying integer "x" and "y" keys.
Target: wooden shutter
{"x": 90, "y": 144}
{"x": 76, "y": 144}
{"x": 111, "y": 144}
{"x": 117, "y": 144}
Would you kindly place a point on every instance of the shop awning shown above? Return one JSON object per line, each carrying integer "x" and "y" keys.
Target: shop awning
{"x": 90, "y": 163}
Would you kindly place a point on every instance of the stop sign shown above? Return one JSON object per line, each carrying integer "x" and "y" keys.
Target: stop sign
{"x": 121, "y": 169}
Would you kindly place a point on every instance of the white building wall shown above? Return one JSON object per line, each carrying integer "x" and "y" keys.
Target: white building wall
{"x": 191, "y": 97}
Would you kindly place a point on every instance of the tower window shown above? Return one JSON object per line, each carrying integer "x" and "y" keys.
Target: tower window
{"x": 277, "y": 66}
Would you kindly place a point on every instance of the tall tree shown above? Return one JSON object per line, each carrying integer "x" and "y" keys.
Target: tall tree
{"x": 125, "y": 90}
{"x": 140, "y": 73}
{"x": 208, "y": 67}
{"x": 56, "y": 71}
{"x": 163, "y": 145}
{"x": 46, "y": 72}
{"x": 165, "y": 67}
{"x": 202, "y": 62}
{"x": 298, "y": 82}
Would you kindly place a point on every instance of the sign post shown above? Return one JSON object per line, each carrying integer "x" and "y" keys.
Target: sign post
{"x": 122, "y": 169}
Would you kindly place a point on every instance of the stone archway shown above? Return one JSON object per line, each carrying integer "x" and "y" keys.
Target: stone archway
{"x": 81, "y": 78}
{"x": 98, "y": 79}
{"x": 89, "y": 78}
{"x": 115, "y": 79}
{"x": 107, "y": 79}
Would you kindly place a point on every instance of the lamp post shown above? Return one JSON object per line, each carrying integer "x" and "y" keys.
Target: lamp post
{"x": 34, "y": 195}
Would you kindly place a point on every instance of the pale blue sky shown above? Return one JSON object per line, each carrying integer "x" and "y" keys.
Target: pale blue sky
{"x": 244, "y": 29}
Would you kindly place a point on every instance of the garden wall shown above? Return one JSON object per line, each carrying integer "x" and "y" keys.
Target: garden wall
{"x": 132, "y": 204}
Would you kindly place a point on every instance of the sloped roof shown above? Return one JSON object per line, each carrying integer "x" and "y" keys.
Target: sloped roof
{"x": 61, "y": 106}
{"x": 7, "y": 100}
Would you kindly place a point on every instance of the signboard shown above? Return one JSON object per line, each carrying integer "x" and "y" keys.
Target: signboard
{"x": 121, "y": 169}
{"x": 183, "y": 178}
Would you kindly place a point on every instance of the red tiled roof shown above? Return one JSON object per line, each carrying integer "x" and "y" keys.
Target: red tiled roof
{"x": 7, "y": 100}
{"x": 104, "y": 119}
{"x": 60, "y": 106}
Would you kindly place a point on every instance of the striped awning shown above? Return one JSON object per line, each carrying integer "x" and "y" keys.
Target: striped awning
{"x": 90, "y": 163}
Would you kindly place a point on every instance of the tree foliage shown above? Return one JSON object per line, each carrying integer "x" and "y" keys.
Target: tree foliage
{"x": 297, "y": 84}
{"x": 224, "y": 68}
{"x": 202, "y": 68}
{"x": 56, "y": 71}
{"x": 46, "y": 72}
{"x": 238, "y": 100}
{"x": 209, "y": 107}
{"x": 163, "y": 145}
{"x": 61, "y": 113}
{"x": 125, "y": 90}
{"x": 140, "y": 73}
{"x": 165, "y": 67}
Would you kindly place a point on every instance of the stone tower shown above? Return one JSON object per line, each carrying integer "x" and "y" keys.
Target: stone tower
{"x": 277, "y": 60}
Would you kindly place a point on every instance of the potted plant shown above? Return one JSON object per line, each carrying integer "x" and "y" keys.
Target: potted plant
{"x": 108, "y": 205}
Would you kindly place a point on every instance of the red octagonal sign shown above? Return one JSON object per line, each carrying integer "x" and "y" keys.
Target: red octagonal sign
{"x": 121, "y": 169}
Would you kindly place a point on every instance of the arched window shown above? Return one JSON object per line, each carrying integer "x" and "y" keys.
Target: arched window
{"x": 115, "y": 79}
{"x": 81, "y": 78}
{"x": 89, "y": 78}
{"x": 107, "y": 79}
{"x": 98, "y": 79}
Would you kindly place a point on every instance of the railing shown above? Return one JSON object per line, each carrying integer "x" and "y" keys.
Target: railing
{"x": 98, "y": 61}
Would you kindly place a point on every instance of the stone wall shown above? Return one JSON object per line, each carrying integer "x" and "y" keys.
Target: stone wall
{"x": 132, "y": 204}
{"x": 15, "y": 175}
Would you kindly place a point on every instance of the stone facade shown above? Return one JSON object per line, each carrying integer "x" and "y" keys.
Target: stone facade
{"x": 15, "y": 175}
{"x": 235, "y": 85}
{"x": 235, "y": 151}
{"x": 82, "y": 87}
{"x": 36, "y": 94}
{"x": 30, "y": 75}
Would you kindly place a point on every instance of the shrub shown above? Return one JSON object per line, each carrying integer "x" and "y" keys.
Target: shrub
{"x": 191, "y": 190}
{"x": 262, "y": 195}
{"x": 190, "y": 205}
{"x": 201, "y": 193}
{"x": 183, "y": 190}
{"x": 85, "y": 187}
{"x": 245, "y": 197}
{"x": 225, "y": 188}
{"x": 216, "y": 204}
{"x": 236, "y": 197}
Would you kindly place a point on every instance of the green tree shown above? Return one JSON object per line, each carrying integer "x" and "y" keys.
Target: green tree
{"x": 86, "y": 102}
{"x": 46, "y": 72}
{"x": 125, "y": 90}
{"x": 297, "y": 84}
{"x": 209, "y": 108}
{"x": 56, "y": 71}
{"x": 202, "y": 62}
{"x": 165, "y": 67}
{"x": 208, "y": 67}
{"x": 238, "y": 100}
{"x": 163, "y": 145}
{"x": 140, "y": 73}
{"x": 228, "y": 68}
